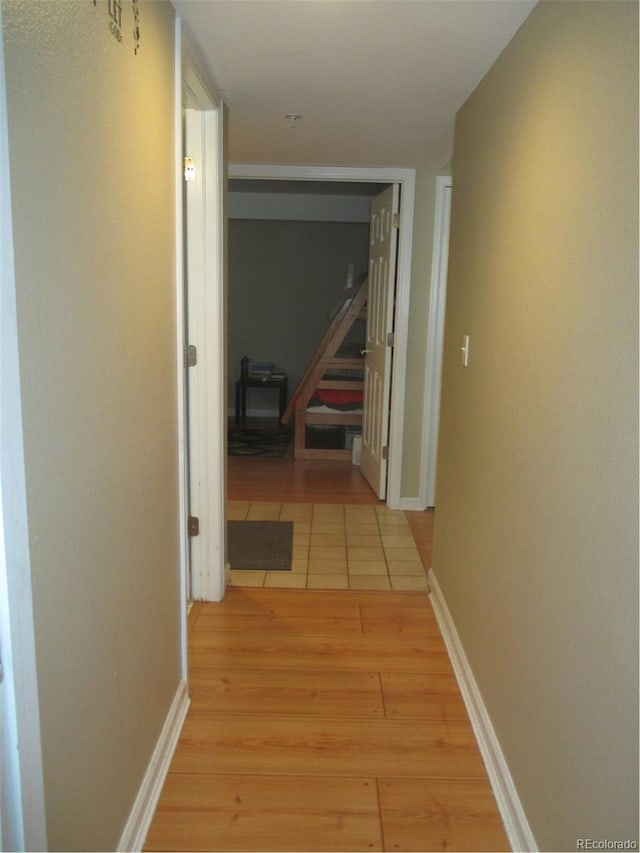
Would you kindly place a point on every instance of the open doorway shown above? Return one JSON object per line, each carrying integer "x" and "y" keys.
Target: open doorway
{"x": 297, "y": 250}
{"x": 213, "y": 575}
{"x": 361, "y": 185}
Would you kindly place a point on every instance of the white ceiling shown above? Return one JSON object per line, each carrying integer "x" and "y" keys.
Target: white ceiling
{"x": 378, "y": 82}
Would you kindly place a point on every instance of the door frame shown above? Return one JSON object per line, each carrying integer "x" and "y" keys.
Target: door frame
{"x": 435, "y": 340}
{"x": 203, "y": 472}
{"x": 23, "y": 816}
{"x": 406, "y": 179}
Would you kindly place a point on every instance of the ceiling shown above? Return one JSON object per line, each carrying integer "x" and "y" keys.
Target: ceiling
{"x": 377, "y": 82}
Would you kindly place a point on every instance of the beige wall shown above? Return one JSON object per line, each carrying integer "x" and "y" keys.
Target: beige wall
{"x": 423, "y": 221}
{"x": 92, "y": 161}
{"x": 536, "y": 546}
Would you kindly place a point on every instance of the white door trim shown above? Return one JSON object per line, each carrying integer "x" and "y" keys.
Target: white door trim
{"x": 435, "y": 341}
{"x": 23, "y": 820}
{"x": 406, "y": 178}
{"x": 183, "y": 460}
{"x": 203, "y": 244}
{"x": 195, "y": 79}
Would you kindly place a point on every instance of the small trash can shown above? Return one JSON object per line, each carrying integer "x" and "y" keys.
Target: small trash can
{"x": 356, "y": 450}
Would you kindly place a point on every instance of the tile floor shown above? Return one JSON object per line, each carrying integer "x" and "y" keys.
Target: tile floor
{"x": 338, "y": 546}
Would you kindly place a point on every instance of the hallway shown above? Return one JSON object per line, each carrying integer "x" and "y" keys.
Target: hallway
{"x": 323, "y": 721}
{"x": 320, "y": 718}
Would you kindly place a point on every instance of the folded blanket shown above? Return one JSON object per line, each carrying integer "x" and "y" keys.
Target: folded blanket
{"x": 335, "y": 395}
{"x": 342, "y": 409}
{"x": 341, "y": 401}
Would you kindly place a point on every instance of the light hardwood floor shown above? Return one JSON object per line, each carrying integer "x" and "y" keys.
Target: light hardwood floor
{"x": 289, "y": 480}
{"x": 322, "y": 720}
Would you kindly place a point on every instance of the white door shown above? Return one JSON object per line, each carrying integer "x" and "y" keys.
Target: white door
{"x": 383, "y": 242}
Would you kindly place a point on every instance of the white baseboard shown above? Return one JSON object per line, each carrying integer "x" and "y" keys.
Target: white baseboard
{"x": 412, "y": 504}
{"x": 137, "y": 826}
{"x": 515, "y": 821}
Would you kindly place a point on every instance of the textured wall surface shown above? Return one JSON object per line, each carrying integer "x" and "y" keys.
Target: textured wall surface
{"x": 536, "y": 545}
{"x": 92, "y": 171}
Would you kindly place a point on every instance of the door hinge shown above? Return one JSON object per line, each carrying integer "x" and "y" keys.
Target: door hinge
{"x": 395, "y": 220}
{"x": 385, "y": 452}
{"x": 190, "y": 356}
{"x": 193, "y": 525}
{"x": 390, "y": 339}
{"x": 189, "y": 169}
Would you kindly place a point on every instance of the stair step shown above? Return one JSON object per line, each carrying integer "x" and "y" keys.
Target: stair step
{"x": 344, "y": 363}
{"x": 344, "y": 418}
{"x": 342, "y": 384}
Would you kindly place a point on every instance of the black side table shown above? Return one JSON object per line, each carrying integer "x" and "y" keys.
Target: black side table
{"x": 258, "y": 382}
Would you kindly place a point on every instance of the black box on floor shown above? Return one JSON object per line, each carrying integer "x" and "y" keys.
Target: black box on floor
{"x": 321, "y": 437}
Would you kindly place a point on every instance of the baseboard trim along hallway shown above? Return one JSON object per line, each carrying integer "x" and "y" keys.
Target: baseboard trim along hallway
{"x": 137, "y": 825}
{"x": 504, "y": 790}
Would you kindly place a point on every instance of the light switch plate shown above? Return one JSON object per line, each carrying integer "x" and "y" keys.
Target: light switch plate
{"x": 465, "y": 350}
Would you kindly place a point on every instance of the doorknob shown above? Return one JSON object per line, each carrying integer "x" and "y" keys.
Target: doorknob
{"x": 363, "y": 351}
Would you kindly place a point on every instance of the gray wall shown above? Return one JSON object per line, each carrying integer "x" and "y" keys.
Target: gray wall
{"x": 536, "y": 539}
{"x": 284, "y": 279}
{"x": 91, "y": 130}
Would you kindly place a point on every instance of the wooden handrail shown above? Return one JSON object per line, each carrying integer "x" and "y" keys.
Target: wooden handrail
{"x": 354, "y": 301}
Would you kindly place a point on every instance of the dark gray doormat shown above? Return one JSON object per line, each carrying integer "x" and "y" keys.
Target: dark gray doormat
{"x": 263, "y": 545}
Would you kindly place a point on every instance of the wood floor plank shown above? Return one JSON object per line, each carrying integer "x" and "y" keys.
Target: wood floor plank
{"x": 411, "y": 621}
{"x": 214, "y": 812}
{"x": 278, "y": 603}
{"x": 278, "y": 691}
{"x": 273, "y": 624}
{"x": 430, "y": 814}
{"x": 422, "y": 524}
{"x": 297, "y": 480}
{"x": 192, "y": 616}
{"x": 420, "y": 696}
{"x": 399, "y": 600}
{"x": 326, "y": 747}
{"x": 328, "y": 602}
{"x": 387, "y": 653}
